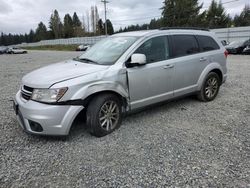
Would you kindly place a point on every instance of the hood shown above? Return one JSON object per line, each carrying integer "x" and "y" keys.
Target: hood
{"x": 49, "y": 75}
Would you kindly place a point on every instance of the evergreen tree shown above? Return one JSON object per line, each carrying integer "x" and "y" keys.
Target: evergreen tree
{"x": 41, "y": 32}
{"x": 76, "y": 20}
{"x": 68, "y": 26}
{"x": 244, "y": 18}
{"x": 181, "y": 12}
{"x": 77, "y": 26}
{"x": 216, "y": 16}
{"x": 55, "y": 25}
{"x": 100, "y": 27}
{"x": 109, "y": 27}
{"x": 155, "y": 23}
{"x": 31, "y": 37}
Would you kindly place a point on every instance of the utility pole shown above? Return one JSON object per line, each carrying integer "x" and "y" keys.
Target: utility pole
{"x": 105, "y": 12}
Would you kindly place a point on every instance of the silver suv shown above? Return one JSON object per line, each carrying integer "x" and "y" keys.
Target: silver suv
{"x": 121, "y": 73}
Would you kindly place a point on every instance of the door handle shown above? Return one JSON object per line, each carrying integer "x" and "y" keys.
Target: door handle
{"x": 203, "y": 59}
{"x": 168, "y": 66}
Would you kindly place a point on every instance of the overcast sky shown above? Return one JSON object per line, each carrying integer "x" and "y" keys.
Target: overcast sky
{"x": 19, "y": 16}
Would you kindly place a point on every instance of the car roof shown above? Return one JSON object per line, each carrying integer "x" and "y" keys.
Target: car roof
{"x": 145, "y": 33}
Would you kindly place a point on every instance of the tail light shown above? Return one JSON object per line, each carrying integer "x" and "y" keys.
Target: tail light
{"x": 226, "y": 53}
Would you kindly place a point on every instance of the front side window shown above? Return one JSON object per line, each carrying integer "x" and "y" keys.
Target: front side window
{"x": 155, "y": 49}
{"x": 207, "y": 43}
{"x": 184, "y": 45}
{"x": 108, "y": 51}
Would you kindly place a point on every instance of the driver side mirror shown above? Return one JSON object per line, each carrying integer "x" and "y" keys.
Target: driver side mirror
{"x": 138, "y": 59}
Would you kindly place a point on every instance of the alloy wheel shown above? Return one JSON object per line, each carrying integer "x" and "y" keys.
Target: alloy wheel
{"x": 211, "y": 88}
{"x": 109, "y": 115}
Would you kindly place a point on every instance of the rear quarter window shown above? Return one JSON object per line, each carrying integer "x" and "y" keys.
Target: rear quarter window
{"x": 207, "y": 43}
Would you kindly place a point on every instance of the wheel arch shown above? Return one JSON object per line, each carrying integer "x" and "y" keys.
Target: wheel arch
{"x": 219, "y": 73}
{"x": 90, "y": 97}
{"x": 122, "y": 98}
{"x": 213, "y": 67}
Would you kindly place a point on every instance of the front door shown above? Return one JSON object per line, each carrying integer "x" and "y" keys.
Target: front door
{"x": 153, "y": 82}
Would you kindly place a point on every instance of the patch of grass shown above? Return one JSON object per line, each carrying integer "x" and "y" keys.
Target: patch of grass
{"x": 54, "y": 47}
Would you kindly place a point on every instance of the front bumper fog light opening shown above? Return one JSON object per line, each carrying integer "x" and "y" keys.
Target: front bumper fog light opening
{"x": 36, "y": 127}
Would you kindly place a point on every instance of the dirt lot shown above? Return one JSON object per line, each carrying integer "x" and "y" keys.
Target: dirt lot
{"x": 179, "y": 144}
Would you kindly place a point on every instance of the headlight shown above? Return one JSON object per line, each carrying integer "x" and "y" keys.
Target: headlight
{"x": 48, "y": 95}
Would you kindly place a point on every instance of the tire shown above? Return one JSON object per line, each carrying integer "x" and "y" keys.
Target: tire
{"x": 210, "y": 88}
{"x": 99, "y": 118}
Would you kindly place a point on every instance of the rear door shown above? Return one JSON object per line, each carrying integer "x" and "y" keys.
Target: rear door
{"x": 189, "y": 63}
{"x": 152, "y": 82}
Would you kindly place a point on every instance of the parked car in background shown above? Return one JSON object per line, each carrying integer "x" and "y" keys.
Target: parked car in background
{"x": 15, "y": 50}
{"x": 246, "y": 50}
{"x": 3, "y": 50}
{"x": 237, "y": 47}
{"x": 120, "y": 74}
{"x": 83, "y": 47}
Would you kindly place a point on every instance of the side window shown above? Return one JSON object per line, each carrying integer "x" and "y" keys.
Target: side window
{"x": 184, "y": 45}
{"x": 155, "y": 49}
{"x": 207, "y": 43}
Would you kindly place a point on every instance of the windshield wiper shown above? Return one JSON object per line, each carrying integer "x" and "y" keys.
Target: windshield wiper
{"x": 85, "y": 60}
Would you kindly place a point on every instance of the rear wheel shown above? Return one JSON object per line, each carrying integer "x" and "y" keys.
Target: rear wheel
{"x": 210, "y": 87}
{"x": 104, "y": 114}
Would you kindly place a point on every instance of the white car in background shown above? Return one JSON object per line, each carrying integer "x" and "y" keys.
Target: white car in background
{"x": 83, "y": 47}
{"x": 15, "y": 50}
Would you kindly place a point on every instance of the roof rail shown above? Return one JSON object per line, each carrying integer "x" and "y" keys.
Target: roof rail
{"x": 188, "y": 28}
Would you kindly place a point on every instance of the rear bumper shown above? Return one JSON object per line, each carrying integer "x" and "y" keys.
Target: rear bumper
{"x": 54, "y": 120}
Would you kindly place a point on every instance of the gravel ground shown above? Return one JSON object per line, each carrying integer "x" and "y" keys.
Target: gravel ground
{"x": 184, "y": 143}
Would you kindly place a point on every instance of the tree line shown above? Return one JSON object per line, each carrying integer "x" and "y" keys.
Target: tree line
{"x": 188, "y": 13}
{"x": 175, "y": 13}
{"x": 71, "y": 26}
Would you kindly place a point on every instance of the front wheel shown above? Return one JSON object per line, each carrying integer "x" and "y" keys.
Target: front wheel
{"x": 210, "y": 87}
{"x": 104, "y": 114}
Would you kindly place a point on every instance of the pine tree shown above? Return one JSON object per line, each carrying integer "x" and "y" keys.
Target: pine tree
{"x": 181, "y": 12}
{"x": 216, "y": 16}
{"x": 101, "y": 27}
{"x": 109, "y": 27}
{"x": 244, "y": 18}
{"x": 68, "y": 26}
{"x": 41, "y": 32}
{"x": 55, "y": 25}
{"x": 31, "y": 36}
{"x": 77, "y": 26}
{"x": 76, "y": 20}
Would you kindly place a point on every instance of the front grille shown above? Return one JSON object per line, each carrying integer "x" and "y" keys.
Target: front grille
{"x": 26, "y": 92}
{"x": 28, "y": 88}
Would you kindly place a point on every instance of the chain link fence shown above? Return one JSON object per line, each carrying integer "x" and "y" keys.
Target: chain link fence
{"x": 233, "y": 33}
{"x": 69, "y": 41}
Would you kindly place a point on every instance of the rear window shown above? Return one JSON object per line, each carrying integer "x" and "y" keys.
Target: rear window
{"x": 207, "y": 43}
{"x": 184, "y": 45}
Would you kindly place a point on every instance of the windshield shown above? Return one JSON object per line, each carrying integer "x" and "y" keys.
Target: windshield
{"x": 108, "y": 51}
